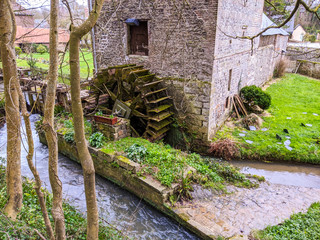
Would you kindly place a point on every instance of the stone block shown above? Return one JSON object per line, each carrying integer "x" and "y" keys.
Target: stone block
{"x": 127, "y": 164}
{"x": 196, "y": 111}
{"x": 115, "y": 132}
{"x": 205, "y": 112}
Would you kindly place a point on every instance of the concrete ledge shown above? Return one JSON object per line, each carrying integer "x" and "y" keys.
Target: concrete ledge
{"x": 122, "y": 171}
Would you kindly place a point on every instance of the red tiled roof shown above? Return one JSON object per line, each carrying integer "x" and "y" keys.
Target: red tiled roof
{"x": 39, "y": 35}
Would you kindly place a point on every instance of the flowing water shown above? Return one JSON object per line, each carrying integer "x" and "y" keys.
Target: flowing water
{"x": 118, "y": 207}
{"x": 304, "y": 175}
{"x": 133, "y": 216}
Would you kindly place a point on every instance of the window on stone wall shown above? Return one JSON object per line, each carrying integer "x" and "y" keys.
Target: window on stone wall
{"x": 138, "y": 38}
{"x": 230, "y": 78}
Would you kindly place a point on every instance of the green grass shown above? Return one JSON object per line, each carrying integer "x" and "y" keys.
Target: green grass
{"x": 168, "y": 164}
{"x": 31, "y": 218}
{"x": 87, "y": 56}
{"x": 291, "y": 97}
{"x": 164, "y": 163}
{"x": 299, "y": 227}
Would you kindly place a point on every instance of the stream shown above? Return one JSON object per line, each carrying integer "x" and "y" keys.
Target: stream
{"x": 128, "y": 213}
{"x": 301, "y": 175}
{"x": 117, "y": 206}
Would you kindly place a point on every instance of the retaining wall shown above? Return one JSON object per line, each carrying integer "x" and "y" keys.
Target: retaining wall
{"x": 309, "y": 68}
{"x": 122, "y": 171}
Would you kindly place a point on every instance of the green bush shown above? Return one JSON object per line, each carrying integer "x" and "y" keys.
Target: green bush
{"x": 312, "y": 38}
{"x": 96, "y": 140}
{"x": 18, "y": 50}
{"x": 68, "y": 123}
{"x": 41, "y": 49}
{"x": 69, "y": 137}
{"x": 59, "y": 110}
{"x": 32, "y": 62}
{"x": 136, "y": 152}
{"x": 255, "y": 95}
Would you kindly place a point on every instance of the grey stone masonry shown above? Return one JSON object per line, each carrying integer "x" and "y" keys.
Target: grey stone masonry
{"x": 194, "y": 46}
{"x": 117, "y": 131}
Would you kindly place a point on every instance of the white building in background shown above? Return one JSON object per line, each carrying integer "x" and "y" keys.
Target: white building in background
{"x": 298, "y": 34}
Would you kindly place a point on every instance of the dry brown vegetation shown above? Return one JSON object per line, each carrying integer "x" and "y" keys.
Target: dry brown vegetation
{"x": 225, "y": 148}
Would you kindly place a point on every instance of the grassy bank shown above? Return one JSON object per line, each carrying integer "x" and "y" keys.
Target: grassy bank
{"x": 295, "y": 107}
{"x": 30, "y": 220}
{"x": 299, "y": 226}
{"x": 162, "y": 162}
{"x": 42, "y": 62}
{"x": 169, "y": 165}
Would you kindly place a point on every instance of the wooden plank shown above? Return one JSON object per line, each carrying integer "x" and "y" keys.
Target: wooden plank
{"x": 161, "y": 108}
{"x": 161, "y": 116}
{"x": 235, "y": 107}
{"x": 159, "y": 100}
{"x": 154, "y": 92}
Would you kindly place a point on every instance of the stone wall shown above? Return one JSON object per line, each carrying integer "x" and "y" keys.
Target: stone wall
{"x": 181, "y": 36}
{"x": 193, "y": 46}
{"x": 234, "y": 58}
{"x": 123, "y": 172}
{"x": 247, "y": 69}
{"x": 303, "y": 53}
{"x": 191, "y": 102}
{"x": 117, "y": 131}
{"x": 309, "y": 68}
{"x": 181, "y": 49}
{"x": 239, "y": 63}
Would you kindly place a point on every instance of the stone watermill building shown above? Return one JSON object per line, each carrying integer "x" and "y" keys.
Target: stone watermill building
{"x": 192, "y": 45}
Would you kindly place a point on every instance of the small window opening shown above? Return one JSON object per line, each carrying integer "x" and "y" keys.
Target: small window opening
{"x": 230, "y": 78}
{"x": 138, "y": 38}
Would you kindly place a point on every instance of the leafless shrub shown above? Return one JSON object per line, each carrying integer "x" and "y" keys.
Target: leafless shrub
{"x": 225, "y": 148}
{"x": 280, "y": 68}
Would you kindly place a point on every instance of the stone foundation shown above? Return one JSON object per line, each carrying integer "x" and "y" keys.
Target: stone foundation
{"x": 117, "y": 131}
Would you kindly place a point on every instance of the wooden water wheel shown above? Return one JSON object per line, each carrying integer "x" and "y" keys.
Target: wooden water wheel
{"x": 143, "y": 93}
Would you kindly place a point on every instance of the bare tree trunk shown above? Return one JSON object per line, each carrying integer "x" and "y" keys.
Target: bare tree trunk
{"x": 85, "y": 158}
{"x": 10, "y": 75}
{"x": 34, "y": 171}
{"x": 25, "y": 114}
{"x": 48, "y": 123}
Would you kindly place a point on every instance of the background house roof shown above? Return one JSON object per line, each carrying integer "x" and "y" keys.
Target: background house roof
{"x": 266, "y": 22}
{"x": 39, "y": 35}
